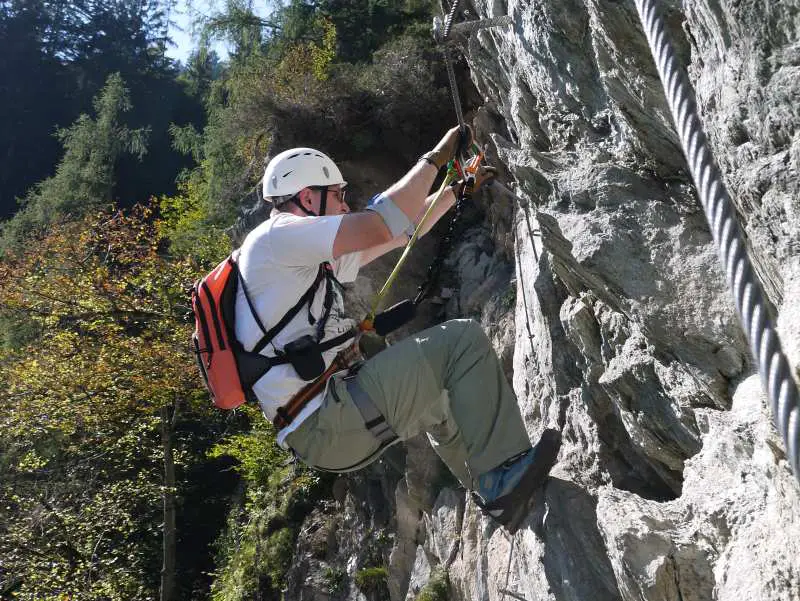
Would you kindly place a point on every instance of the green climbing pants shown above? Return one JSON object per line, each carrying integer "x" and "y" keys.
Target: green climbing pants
{"x": 446, "y": 381}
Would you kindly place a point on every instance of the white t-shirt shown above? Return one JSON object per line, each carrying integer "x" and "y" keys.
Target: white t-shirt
{"x": 279, "y": 260}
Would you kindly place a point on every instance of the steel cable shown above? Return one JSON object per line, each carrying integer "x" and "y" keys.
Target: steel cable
{"x": 441, "y": 38}
{"x": 448, "y": 22}
{"x": 765, "y": 345}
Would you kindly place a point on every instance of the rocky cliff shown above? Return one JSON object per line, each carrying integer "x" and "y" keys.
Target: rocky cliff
{"x": 594, "y": 271}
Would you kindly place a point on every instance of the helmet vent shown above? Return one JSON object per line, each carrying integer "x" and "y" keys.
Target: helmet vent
{"x": 326, "y": 172}
{"x": 288, "y": 173}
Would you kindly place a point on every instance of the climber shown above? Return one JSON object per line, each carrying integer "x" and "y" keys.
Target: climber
{"x": 446, "y": 380}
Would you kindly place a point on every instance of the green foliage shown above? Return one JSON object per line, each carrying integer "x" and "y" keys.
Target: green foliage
{"x": 58, "y": 56}
{"x": 372, "y": 582}
{"x": 509, "y": 298}
{"x": 258, "y": 456}
{"x": 81, "y": 489}
{"x": 364, "y": 25}
{"x": 256, "y": 550}
{"x": 335, "y": 580}
{"x": 278, "y": 555}
{"x": 84, "y": 178}
{"x": 188, "y": 226}
{"x": 437, "y": 587}
{"x": 315, "y": 80}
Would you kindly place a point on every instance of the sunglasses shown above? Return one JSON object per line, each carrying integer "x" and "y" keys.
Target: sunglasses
{"x": 342, "y": 193}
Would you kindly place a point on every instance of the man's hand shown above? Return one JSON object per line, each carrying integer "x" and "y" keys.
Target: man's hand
{"x": 453, "y": 141}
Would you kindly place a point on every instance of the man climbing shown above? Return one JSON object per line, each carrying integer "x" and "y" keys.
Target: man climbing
{"x": 446, "y": 381}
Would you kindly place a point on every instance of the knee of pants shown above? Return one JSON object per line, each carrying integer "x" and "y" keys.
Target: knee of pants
{"x": 471, "y": 330}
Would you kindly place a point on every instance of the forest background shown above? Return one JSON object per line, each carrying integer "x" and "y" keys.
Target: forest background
{"x": 123, "y": 172}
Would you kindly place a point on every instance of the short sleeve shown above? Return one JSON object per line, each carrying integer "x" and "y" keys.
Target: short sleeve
{"x": 301, "y": 241}
{"x": 346, "y": 267}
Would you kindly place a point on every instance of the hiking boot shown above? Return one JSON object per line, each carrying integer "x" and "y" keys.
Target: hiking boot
{"x": 505, "y": 491}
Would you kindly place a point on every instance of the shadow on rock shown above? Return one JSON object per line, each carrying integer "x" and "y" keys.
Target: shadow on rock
{"x": 575, "y": 558}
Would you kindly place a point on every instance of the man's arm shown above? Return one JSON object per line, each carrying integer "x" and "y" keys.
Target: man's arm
{"x": 367, "y": 229}
{"x": 444, "y": 204}
{"x": 484, "y": 174}
{"x": 360, "y": 231}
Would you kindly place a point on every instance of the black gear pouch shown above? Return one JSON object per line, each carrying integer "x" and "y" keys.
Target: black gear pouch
{"x": 306, "y": 357}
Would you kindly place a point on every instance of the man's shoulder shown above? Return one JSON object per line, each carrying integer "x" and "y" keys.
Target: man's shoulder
{"x": 264, "y": 228}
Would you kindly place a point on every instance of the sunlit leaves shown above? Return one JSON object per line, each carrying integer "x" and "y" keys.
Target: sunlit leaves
{"x": 81, "y": 488}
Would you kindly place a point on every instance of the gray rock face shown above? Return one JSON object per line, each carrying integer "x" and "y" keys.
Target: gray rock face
{"x": 597, "y": 278}
{"x": 672, "y": 482}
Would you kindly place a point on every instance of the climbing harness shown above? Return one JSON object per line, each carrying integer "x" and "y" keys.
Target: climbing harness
{"x": 765, "y": 345}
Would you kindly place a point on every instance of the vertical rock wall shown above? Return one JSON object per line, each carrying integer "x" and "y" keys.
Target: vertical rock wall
{"x": 672, "y": 483}
{"x": 593, "y": 269}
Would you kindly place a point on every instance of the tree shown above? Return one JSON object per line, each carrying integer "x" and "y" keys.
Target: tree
{"x": 85, "y": 177}
{"x": 97, "y": 412}
{"x": 58, "y": 55}
{"x": 35, "y": 96}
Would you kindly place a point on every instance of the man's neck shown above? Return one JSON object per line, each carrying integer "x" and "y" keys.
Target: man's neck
{"x": 292, "y": 210}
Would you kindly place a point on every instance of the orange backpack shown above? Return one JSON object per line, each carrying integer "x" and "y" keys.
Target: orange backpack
{"x": 229, "y": 371}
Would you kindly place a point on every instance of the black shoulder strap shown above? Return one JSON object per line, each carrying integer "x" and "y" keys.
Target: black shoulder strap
{"x": 308, "y": 296}
{"x": 246, "y": 294}
{"x": 330, "y": 281}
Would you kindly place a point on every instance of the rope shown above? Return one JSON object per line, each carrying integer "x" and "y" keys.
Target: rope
{"x": 451, "y": 174}
{"x": 749, "y": 298}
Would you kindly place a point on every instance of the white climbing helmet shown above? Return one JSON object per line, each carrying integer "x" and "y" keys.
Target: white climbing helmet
{"x": 298, "y": 168}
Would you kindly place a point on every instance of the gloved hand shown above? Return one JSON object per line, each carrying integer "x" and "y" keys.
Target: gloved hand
{"x": 484, "y": 175}
{"x": 446, "y": 149}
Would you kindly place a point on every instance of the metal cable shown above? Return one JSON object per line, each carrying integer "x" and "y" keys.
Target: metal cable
{"x": 448, "y": 22}
{"x": 469, "y": 27}
{"x": 441, "y": 35}
{"x": 451, "y": 76}
{"x": 765, "y": 345}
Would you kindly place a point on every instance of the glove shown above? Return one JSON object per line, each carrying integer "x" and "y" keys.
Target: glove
{"x": 484, "y": 175}
{"x": 452, "y": 142}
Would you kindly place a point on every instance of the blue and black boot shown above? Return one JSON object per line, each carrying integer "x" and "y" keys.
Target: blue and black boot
{"x": 505, "y": 492}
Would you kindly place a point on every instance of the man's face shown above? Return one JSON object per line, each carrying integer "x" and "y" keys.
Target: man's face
{"x": 335, "y": 203}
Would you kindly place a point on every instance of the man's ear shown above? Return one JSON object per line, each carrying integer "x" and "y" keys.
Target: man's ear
{"x": 306, "y": 198}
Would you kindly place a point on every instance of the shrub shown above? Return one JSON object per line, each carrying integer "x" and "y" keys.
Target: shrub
{"x": 335, "y": 580}
{"x": 372, "y": 582}
{"x": 437, "y": 587}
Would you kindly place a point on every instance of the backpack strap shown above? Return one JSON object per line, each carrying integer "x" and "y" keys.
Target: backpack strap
{"x": 330, "y": 281}
{"x": 325, "y": 273}
{"x": 268, "y": 335}
{"x": 308, "y": 297}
